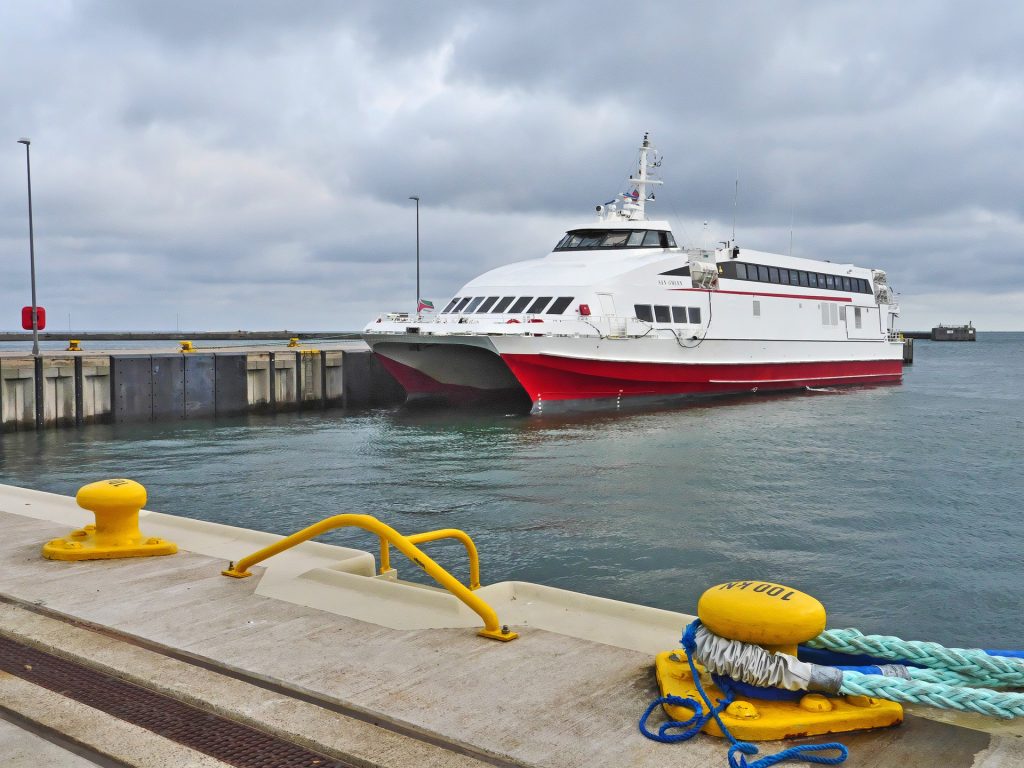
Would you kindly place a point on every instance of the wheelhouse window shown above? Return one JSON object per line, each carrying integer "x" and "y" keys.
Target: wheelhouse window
{"x": 812, "y": 279}
{"x": 662, "y": 314}
{"x": 762, "y": 274}
{"x": 474, "y": 304}
{"x": 451, "y": 304}
{"x": 644, "y": 312}
{"x": 520, "y": 304}
{"x": 487, "y": 305}
{"x": 615, "y": 238}
{"x": 559, "y": 305}
{"x": 741, "y": 271}
{"x": 538, "y": 305}
{"x": 502, "y": 305}
{"x": 462, "y": 305}
{"x": 773, "y": 274}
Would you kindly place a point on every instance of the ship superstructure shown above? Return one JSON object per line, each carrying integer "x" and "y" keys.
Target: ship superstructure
{"x": 618, "y": 310}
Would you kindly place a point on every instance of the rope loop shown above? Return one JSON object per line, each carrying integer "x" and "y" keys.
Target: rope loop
{"x": 801, "y": 752}
{"x": 697, "y": 722}
{"x": 739, "y": 750}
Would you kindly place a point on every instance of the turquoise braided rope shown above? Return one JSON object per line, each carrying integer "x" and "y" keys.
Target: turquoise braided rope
{"x": 955, "y": 665}
{"x": 1002, "y": 704}
{"x": 946, "y": 677}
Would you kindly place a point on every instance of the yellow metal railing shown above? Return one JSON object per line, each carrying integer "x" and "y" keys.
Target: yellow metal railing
{"x": 444, "y": 533}
{"x": 407, "y": 546}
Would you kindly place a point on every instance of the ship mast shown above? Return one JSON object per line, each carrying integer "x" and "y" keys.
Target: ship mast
{"x": 635, "y": 200}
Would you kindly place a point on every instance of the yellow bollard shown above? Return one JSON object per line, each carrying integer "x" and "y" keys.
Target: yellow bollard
{"x": 293, "y": 341}
{"x": 777, "y": 618}
{"x": 116, "y": 504}
{"x": 186, "y": 346}
{"x": 74, "y": 345}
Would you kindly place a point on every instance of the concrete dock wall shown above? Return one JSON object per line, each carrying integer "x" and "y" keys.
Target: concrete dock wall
{"x": 64, "y": 390}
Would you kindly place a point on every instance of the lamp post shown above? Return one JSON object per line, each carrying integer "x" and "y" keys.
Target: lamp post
{"x": 31, "y": 250}
{"x": 417, "y": 199}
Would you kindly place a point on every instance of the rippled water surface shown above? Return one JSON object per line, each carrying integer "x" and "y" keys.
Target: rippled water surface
{"x": 898, "y": 506}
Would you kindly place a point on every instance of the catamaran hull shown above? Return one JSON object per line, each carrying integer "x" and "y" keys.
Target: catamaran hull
{"x": 480, "y": 371}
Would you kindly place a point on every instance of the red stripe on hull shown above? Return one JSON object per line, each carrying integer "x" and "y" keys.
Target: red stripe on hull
{"x": 419, "y": 386}
{"x": 549, "y": 377}
{"x": 806, "y": 297}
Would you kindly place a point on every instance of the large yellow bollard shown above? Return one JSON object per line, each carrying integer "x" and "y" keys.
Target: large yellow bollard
{"x": 116, "y": 504}
{"x": 777, "y": 618}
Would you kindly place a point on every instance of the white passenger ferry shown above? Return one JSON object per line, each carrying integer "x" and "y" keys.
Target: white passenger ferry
{"x": 617, "y": 310}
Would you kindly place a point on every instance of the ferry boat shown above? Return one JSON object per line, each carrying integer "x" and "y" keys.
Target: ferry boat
{"x": 619, "y": 311}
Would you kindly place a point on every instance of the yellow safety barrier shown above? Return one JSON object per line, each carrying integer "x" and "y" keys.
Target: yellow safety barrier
{"x": 444, "y": 533}
{"x": 407, "y": 546}
{"x": 116, "y": 504}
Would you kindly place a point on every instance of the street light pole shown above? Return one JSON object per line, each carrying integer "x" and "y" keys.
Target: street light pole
{"x": 417, "y": 199}
{"x": 31, "y": 250}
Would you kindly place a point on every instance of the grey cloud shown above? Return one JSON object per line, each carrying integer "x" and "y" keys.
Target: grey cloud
{"x": 241, "y": 159}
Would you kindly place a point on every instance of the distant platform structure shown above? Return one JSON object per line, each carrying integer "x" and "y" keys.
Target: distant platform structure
{"x": 953, "y": 333}
{"x": 944, "y": 333}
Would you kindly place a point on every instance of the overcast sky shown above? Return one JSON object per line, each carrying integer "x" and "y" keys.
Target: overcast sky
{"x": 230, "y": 165}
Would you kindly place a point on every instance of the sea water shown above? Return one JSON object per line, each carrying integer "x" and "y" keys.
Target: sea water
{"x": 898, "y": 506}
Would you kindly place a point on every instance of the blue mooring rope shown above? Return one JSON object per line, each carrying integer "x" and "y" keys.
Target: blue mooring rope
{"x": 699, "y": 720}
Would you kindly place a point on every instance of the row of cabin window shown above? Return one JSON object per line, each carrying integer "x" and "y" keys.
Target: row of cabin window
{"x": 740, "y": 271}
{"x": 495, "y": 305}
{"x": 661, "y": 313}
{"x": 637, "y": 238}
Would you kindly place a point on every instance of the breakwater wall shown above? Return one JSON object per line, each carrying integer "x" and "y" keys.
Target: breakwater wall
{"x": 65, "y": 390}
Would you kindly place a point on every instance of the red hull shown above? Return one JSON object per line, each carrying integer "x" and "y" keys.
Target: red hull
{"x": 561, "y": 378}
{"x": 553, "y": 378}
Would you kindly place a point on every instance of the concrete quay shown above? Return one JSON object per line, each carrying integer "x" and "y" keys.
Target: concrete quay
{"x": 62, "y": 389}
{"x": 319, "y": 651}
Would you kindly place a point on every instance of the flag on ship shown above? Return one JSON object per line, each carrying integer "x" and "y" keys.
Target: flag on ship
{"x": 423, "y": 304}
